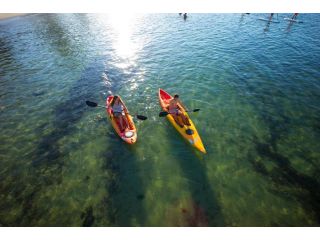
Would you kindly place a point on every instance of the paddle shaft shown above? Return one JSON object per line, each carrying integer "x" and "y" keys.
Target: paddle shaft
{"x": 163, "y": 114}
{"x": 93, "y": 104}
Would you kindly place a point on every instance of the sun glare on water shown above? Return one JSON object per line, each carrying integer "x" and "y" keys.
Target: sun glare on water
{"x": 124, "y": 30}
{"x": 123, "y": 27}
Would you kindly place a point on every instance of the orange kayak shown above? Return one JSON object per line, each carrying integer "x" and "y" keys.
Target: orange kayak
{"x": 189, "y": 133}
{"x": 129, "y": 133}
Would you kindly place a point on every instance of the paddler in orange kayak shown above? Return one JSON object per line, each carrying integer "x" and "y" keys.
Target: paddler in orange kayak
{"x": 175, "y": 109}
{"x": 119, "y": 111}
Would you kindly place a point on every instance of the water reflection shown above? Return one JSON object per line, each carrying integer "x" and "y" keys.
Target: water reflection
{"x": 288, "y": 29}
{"x": 124, "y": 30}
{"x": 266, "y": 29}
{"x": 241, "y": 19}
{"x": 123, "y": 27}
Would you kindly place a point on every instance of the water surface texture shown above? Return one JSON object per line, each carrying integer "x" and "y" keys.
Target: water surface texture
{"x": 256, "y": 83}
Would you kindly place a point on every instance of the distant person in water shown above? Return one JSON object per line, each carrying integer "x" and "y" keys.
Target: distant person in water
{"x": 184, "y": 16}
{"x": 180, "y": 14}
{"x": 294, "y": 16}
{"x": 119, "y": 111}
{"x": 271, "y": 15}
{"x": 175, "y": 108}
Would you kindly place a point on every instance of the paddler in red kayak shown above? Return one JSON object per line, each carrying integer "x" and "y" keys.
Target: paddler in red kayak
{"x": 119, "y": 111}
{"x": 175, "y": 110}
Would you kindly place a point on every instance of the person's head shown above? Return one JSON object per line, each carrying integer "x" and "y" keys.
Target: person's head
{"x": 115, "y": 97}
{"x": 176, "y": 96}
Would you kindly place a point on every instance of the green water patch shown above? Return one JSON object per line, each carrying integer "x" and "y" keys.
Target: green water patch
{"x": 39, "y": 160}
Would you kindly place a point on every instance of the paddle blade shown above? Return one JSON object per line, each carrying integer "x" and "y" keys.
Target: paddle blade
{"x": 196, "y": 110}
{"x": 91, "y": 104}
{"x": 140, "y": 117}
{"x": 163, "y": 114}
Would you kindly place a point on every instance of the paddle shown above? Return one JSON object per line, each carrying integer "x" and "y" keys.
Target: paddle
{"x": 93, "y": 104}
{"x": 163, "y": 114}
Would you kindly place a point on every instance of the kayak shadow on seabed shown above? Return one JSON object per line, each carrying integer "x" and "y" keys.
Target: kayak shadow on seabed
{"x": 126, "y": 190}
{"x": 203, "y": 209}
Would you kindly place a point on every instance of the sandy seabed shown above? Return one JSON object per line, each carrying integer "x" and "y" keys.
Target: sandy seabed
{"x": 10, "y": 15}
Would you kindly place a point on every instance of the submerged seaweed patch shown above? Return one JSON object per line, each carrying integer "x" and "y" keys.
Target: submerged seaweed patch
{"x": 289, "y": 182}
{"x": 140, "y": 196}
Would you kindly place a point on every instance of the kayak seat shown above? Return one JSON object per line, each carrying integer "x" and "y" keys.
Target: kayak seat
{"x": 124, "y": 123}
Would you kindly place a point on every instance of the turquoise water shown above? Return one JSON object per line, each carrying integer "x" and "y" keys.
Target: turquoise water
{"x": 256, "y": 83}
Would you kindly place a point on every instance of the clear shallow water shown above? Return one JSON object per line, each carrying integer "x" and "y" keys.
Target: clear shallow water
{"x": 257, "y": 86}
